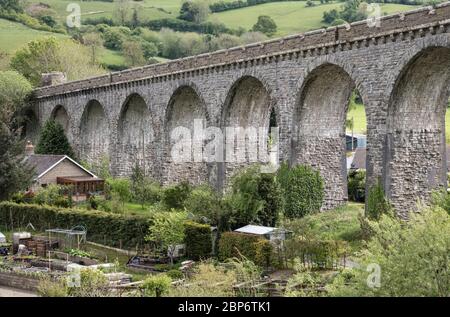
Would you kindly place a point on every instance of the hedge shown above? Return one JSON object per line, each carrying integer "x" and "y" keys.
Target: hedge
{"x": 254, "y": 248}
{"x": 102, "y": 227}
{"x": 198, "y": 240}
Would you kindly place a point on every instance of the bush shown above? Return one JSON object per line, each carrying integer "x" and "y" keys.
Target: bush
{"x": 357, "y": 185}
{"x": 175, "y": 274}
{"x": 377, "y": 204}
{"x": 441, "y": 199}
{"x": 412, "y": 256}
{"x": 198, "y": 241}
{"x": 254, "y": 198}
{"x": 156, "y": 285}
{"x": 254, "y": 248}
{"x": 302, "y": 189}
{"x": 175, "y": 195}
{"x": 54, "y": 195}
{"x": 102, "y": 227}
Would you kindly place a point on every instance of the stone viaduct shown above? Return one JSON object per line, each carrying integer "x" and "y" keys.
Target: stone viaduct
{"x": 401, "y": 67}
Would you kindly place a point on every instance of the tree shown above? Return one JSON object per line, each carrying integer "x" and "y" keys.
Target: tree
{"x": 167, "y": 230}
{"x": 122, "y": 10}
{"x": 119, "y": 189}
{"x": 48, "y": 54}
{"x": 14, "y": 174}
{"x": 195, "y": 11}
{"x": 156, "y": 285}
{"x": 11, "y": 5}
{"x": 266, "y": 25}
{"x": 330, "y": 16}
{"x": 95, "y": 42}
{"x": 132, "y": 51}
{"x": 52, "y": 140}
{"x": 149, "y": 49}
{"x": 143, "y": 189}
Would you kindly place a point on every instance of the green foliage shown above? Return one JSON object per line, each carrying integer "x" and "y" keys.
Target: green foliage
{"x": 304, "y": 282}
{"x": 119, "y": 189}
{"x": 175, "y": 195}
{"x": 254, "y": 248}
{"x": 54, "y": 195}
{"x": 102, "y": 227}
{"x": 167, "y": 230}
{"x": 377, "y": 204}
{"x": 156, "y": 285}
{"x": 194, "y": 11}
{"x": 80, "y": 253}
{"x": 303, "y": 190}
{"x": 266, "y": 25}
{"x": 350, "y": 11}
{"x": 207, "y": 280}
{"x": 254, "y": 197}
{"x": 144, "y": 190}
{"x": 441, "y": 199}
{"x": 356, "y": 185}
{"x": 49, "y": 287}
{"x": 52, "y": 140}
{"x": 323, "y": 254}
{"x": 15, "y": 174}
{"x": 413, "y": 257}
{"x": 175, "y": 274}
{"x": 198, "y": 241}
{"x": 93, "y": 283}
{"x": 48, "y": 54}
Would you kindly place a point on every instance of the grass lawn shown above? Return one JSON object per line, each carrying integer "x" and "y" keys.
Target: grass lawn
{"x": 290, "y": 17}
{"x": 337, "y": 224}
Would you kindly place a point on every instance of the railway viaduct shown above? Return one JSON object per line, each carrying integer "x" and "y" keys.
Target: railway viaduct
{"x": 400, "y": 66}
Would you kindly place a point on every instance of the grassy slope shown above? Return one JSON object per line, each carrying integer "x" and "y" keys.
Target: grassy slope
{"x": 290, "y": 17}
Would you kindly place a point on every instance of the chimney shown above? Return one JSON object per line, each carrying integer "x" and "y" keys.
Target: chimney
{"x": 29, "y": 149}
{"x": 53, "y": 78}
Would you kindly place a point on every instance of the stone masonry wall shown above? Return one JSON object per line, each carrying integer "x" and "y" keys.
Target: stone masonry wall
{"x": 372, "y": 59}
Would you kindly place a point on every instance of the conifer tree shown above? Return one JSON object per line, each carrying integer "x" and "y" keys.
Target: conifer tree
{"x": 53, "y": 140}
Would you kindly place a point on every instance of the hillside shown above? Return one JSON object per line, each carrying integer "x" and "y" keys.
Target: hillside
{"x": 290, "y": 17}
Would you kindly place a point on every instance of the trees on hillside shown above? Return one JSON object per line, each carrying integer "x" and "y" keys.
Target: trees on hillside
{"x": 195, "y": 11}
{"x": 52, "y": 140}
{"x": 48, "y": 54}
{"x": 266, "y": 25}
{"x": 14, "y": 174}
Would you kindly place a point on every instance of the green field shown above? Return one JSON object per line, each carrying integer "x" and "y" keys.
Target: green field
{"x": 290, "y": 17}
{"x": 360, "y": 123}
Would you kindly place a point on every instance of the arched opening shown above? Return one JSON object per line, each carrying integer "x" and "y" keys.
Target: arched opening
{"x": 135, "y": 136}
{"x": 184, "y": 154}
{"x": 320, "y": 138}
{"x": 415, "y": 146}
{"x": 60, "y": 115}
{"x": 31, "y": 126}
{"x": 94, "y": 133}
{"x": 247, "y": 116}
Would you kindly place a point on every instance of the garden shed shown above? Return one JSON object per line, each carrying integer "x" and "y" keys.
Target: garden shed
{"x": 270, "y": 233}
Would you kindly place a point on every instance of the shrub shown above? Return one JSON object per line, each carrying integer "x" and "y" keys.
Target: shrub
{"x": 54, "y": 195}
{"x": 357, "y": 185}
{"x": 102, "y": 227}
{"x": 175, "y": 195}
{"x": 49, "y": 287}
{"x": 198, "y": 241}
{"x": 302, "y": 189}
{"x": 441, "y": 199}
{"x": 254, "y": 248}
{"x": 412, "y": 256}
{"x": 156, "y": 285}
{"x": 93, "y": 283}
{"x": 254, "y": 197}
{"x": 377, "y": 204}
{"x": 175, "y": 274}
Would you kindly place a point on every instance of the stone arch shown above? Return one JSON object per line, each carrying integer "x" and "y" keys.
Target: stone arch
{"x": 415, "y": 155}
{"x": 94, "y": 132}
{"x": 319, "y": 128}
{"x": 59, "y": 114}
{"x": 186, "y": 115}
{"x": 135, "y": 136}
{"x": 31, "y": 126}
{"x": 247, "y": 107}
